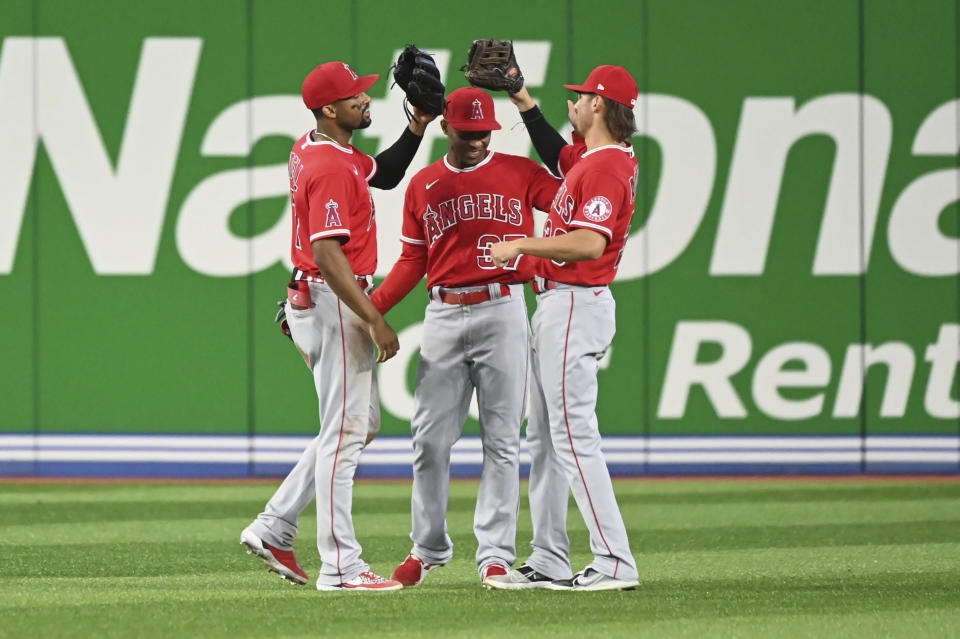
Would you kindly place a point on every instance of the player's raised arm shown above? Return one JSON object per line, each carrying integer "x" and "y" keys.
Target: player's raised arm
{"x": 546, "y": 140}
{"x": 492, "y": 64}
{"x": 392, "y": 163}
{"x": 417, "y": 74}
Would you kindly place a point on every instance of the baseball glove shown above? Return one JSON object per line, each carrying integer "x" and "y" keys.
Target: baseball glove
{"x": 281, "y": 319}
{"x": 492, "y": 65}
{"x": 418, "y": 76}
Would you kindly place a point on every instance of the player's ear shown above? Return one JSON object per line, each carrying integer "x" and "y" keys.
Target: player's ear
{"x": 329, "y": 111}
{"x": 443, "y": 127}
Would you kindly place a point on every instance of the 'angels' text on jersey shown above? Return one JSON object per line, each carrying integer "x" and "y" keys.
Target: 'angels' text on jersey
{"x": 457, "y": 214}
{"x": 468, "y": 207}
{"x": 563, "y": 204}
{"x": 294, "y": 169}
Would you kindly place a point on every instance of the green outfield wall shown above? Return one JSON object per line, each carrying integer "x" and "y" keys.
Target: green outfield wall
{"x": 796, "y": 233}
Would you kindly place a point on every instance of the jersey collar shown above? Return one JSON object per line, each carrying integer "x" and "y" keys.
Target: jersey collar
{"x": 482, "y": 162}
{"x": 309, "y": 141}
{"x": 626, "y": 149}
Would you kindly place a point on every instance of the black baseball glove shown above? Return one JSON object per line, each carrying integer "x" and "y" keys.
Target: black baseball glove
{"x": 281, "y": 319}
{"x": 492, "y": 65}
{"x": 418, "y": 76}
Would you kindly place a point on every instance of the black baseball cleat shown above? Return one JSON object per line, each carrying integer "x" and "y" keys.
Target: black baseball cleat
{"x": 590, "y": 580}
{"x": 520, "y": 579}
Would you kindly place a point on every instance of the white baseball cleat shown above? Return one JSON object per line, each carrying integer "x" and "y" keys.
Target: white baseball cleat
{"x": 364, "y": 582}
{"x": 279, "y": 561}
{"x": 522, "y": 578}
{"x": 591, "y": 580}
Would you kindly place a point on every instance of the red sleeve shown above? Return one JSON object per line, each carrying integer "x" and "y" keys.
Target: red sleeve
{"x": 542, "y": 187}
{"x": 598, "y": 196}
{"x": 368, "y": 165}
{"x": 411, "y": 230}
{"x": 330, "y": 198}
{"x": 570, "y": 154}
{"x": 404, "y": 275}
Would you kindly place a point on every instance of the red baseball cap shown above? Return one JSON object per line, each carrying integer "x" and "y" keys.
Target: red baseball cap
{"x": 612, "y": 82}
{"x": 470, "y": 109}
{"x": 332, "y": 81}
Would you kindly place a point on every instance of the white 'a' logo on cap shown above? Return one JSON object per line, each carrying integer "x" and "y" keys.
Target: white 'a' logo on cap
{"x": 601, "y": 87}
{"x": 352, "y": 73}
{"x": 477, "y": 113}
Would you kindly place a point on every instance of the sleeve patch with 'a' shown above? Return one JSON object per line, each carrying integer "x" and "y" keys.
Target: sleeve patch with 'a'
{"x": 333, "y": 217}
{"x": 598, "y": 209}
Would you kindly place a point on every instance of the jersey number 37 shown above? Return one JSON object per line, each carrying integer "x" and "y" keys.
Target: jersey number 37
{"x": 484, "y": 242}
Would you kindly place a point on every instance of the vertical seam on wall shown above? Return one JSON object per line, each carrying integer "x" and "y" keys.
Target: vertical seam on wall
{"x": 645, "y": 312}
{"x": 251, "y": 357}
{"x": 569, "y": 77}
{"x": 861, "y": 83}
{"x": 355, "y": 35}
{"x": 35, "y": 248}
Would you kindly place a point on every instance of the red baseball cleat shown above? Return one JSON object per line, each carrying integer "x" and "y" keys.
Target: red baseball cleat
{"x": 364, "y": 582}
{"x": 493, "y": 572}
{"x": 412, "y": 571}
{"x": 279, "y": 561}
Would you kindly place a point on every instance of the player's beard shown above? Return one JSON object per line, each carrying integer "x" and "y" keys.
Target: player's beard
{"x": 365, "y": 119}
{"x": 364, "y": 123}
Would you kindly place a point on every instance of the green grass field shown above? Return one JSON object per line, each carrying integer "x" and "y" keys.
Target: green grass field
{"x": 716, "y": 558}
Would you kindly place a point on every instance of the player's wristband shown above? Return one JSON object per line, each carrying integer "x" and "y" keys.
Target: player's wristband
{"x": 298, "y": 294}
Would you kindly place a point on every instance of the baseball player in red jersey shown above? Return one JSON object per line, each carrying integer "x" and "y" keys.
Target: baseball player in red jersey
{"x": 573, "y": 327}
{"x": 477, "y": 326}
{"x": 334, "y": 324}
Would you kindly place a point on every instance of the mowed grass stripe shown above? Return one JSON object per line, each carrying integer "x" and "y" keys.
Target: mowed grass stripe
{"x": 201, "y": 502}
{"x": 673, "y": 491}
{"x": 461, "y": 612}
{"x": 762, "y": 558}
{"x": 662, "y": 572}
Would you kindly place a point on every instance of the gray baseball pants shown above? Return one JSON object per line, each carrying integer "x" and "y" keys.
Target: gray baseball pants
{"x": 342, "y": 359}
{"x": 573, "y": 327}
{"x": 485, "y": 347}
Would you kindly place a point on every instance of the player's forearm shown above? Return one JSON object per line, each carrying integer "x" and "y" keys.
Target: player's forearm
{"x": 522, "y": 99}
{"x": 392, "y": 163}
{"x": 403, "y": 277}
{"x": 340, "y": 278}
{"x": 545, "y": 138}
{"x": 418, "y": 126}
{"x": 575, "y": 246}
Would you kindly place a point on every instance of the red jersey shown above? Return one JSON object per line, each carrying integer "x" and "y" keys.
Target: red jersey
{"x": 330, "y": 199}
{"x": 457, "y": 214}
{"x": 598, "y": 193}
